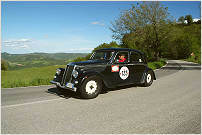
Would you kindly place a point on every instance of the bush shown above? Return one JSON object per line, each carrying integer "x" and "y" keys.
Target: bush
{"x": 78, "y": 59}
{"x": 157, "y": 64}
{"x": 196, "y": 58}
{"x": 4, "y": 65}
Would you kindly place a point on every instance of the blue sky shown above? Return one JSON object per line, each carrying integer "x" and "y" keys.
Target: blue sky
{"x": 66, "y": 26}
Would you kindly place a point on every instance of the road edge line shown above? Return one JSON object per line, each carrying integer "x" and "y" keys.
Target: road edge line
{"x": 30, "y": 103}
{"x": 162, "y": 66}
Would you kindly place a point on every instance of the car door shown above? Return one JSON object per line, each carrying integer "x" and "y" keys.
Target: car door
{"x": 121, "y": 71}
{"x": 137, "y": 66}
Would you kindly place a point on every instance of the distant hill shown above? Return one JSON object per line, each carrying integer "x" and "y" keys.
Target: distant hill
{"x": 19, "y": 61}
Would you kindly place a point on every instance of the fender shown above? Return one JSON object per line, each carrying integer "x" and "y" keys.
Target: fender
{"x": 144, "y": 74}
{"x": 94, "y": 73}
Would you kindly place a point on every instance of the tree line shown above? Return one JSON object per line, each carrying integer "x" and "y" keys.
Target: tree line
{"x": 149, "y": 27}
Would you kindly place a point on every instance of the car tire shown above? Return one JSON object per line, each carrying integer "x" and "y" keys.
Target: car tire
{"x": 148, "y": 79}
{"x": 91, "y": 88}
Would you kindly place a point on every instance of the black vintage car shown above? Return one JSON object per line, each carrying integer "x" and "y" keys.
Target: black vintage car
{"x": 109, "y": 67}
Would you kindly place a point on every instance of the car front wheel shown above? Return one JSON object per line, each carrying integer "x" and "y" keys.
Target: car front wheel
{"x": 91, "y": 88}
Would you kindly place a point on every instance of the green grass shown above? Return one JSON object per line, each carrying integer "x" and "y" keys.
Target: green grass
{"x": 28, "y": 77}
{"x": 41, "y": 75}
{"x": 193, "y": 60}
{"x": 157, "y": 64}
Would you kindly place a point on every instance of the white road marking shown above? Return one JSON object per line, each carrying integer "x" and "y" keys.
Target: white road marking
{"x": 162, "y": 66}
{"x": 30, "y": 103}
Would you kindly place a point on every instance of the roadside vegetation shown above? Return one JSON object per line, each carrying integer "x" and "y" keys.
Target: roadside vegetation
{"x": 157, "y": 64}
{"x": 28, "y": 77}
{"x": 194, "y": 59}
{"x": 149, "y": 27}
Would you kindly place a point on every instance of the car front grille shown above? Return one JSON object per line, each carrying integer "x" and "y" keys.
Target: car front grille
{"x": 67, "y": 76}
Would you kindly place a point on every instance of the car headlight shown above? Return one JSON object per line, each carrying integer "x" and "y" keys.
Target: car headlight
{"x": 75, "y": 74}
{"x": 58, "y": 71}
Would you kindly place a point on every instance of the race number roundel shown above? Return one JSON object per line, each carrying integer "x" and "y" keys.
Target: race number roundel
{"x": 124, "y": 73}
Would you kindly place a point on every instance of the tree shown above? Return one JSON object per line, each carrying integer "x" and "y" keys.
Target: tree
{"x": 4, "y": 65}
{"x": 128, "y": 41}
{"x": 112, "y": 44}
{"x": 181, "y": 19}
{"x": 147, "y": 22}
{"x": 198, "y": 22}
{"x": 189, "y": 19}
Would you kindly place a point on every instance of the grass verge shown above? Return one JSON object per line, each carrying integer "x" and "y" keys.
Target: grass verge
{"x": 28, "y": 77}
{"x": 157, "y": 64}
{"x": 193, "y": 60}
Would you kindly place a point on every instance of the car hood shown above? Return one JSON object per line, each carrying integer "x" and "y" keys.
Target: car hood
{"x": 88, "y": 62}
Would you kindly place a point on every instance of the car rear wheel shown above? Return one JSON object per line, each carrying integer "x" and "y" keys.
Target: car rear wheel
{"x": 91, "y": 87}
{"x": 148, "y": 79}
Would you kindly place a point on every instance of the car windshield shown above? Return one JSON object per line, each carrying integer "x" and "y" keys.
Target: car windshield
{"x": 102, "y": 55}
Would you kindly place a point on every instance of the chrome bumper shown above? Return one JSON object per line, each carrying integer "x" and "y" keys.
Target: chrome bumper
{"x": 68, "y": 86}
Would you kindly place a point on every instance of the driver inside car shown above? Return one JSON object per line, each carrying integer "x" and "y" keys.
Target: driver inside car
{"x": 122, "y": 58}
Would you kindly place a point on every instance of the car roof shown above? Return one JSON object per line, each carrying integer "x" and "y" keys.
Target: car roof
{"x": 119, "y": 49}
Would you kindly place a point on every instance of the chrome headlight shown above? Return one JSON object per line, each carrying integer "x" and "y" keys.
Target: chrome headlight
{"x": 75, "y": 73}
{"x": 58, "y": 71}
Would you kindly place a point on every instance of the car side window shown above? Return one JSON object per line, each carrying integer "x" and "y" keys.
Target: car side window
{"x": 135, "y": 57}
{"x": 121, "y": 57}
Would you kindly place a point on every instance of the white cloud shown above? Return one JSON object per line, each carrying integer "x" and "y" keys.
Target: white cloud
{"x": 24, "y": 46}
{"x": 17, "y": 44}
{"x": 19, "y": 41}
{"x": 94, "y": 22}
{"x": 195, "y": 19}
{"x": 24, "y": 40}
{"x": 97, "y": 23}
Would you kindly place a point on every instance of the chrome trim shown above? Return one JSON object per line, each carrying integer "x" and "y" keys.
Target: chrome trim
{"x": 75, "y": 73}
{"x": 64, "y": 87}
{"x": 58, "y": 71}
{"x": 71, "y": 74}
{"x": 112, "y": 57}
{"x": 64, "y": 75}
{"x": 64, "y": 78}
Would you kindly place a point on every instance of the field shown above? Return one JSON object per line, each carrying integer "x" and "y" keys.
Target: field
{"x": 40, "y": 75}
{"x": 28, "y": 77}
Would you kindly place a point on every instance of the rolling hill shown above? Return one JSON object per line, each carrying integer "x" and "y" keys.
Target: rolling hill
{"x": 20, "y": 61}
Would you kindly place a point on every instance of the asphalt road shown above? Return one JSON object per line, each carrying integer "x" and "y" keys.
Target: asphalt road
{"x": 171, "y": 105}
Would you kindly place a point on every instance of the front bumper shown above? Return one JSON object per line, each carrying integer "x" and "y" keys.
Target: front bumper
{"x": 69, "y": 86}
